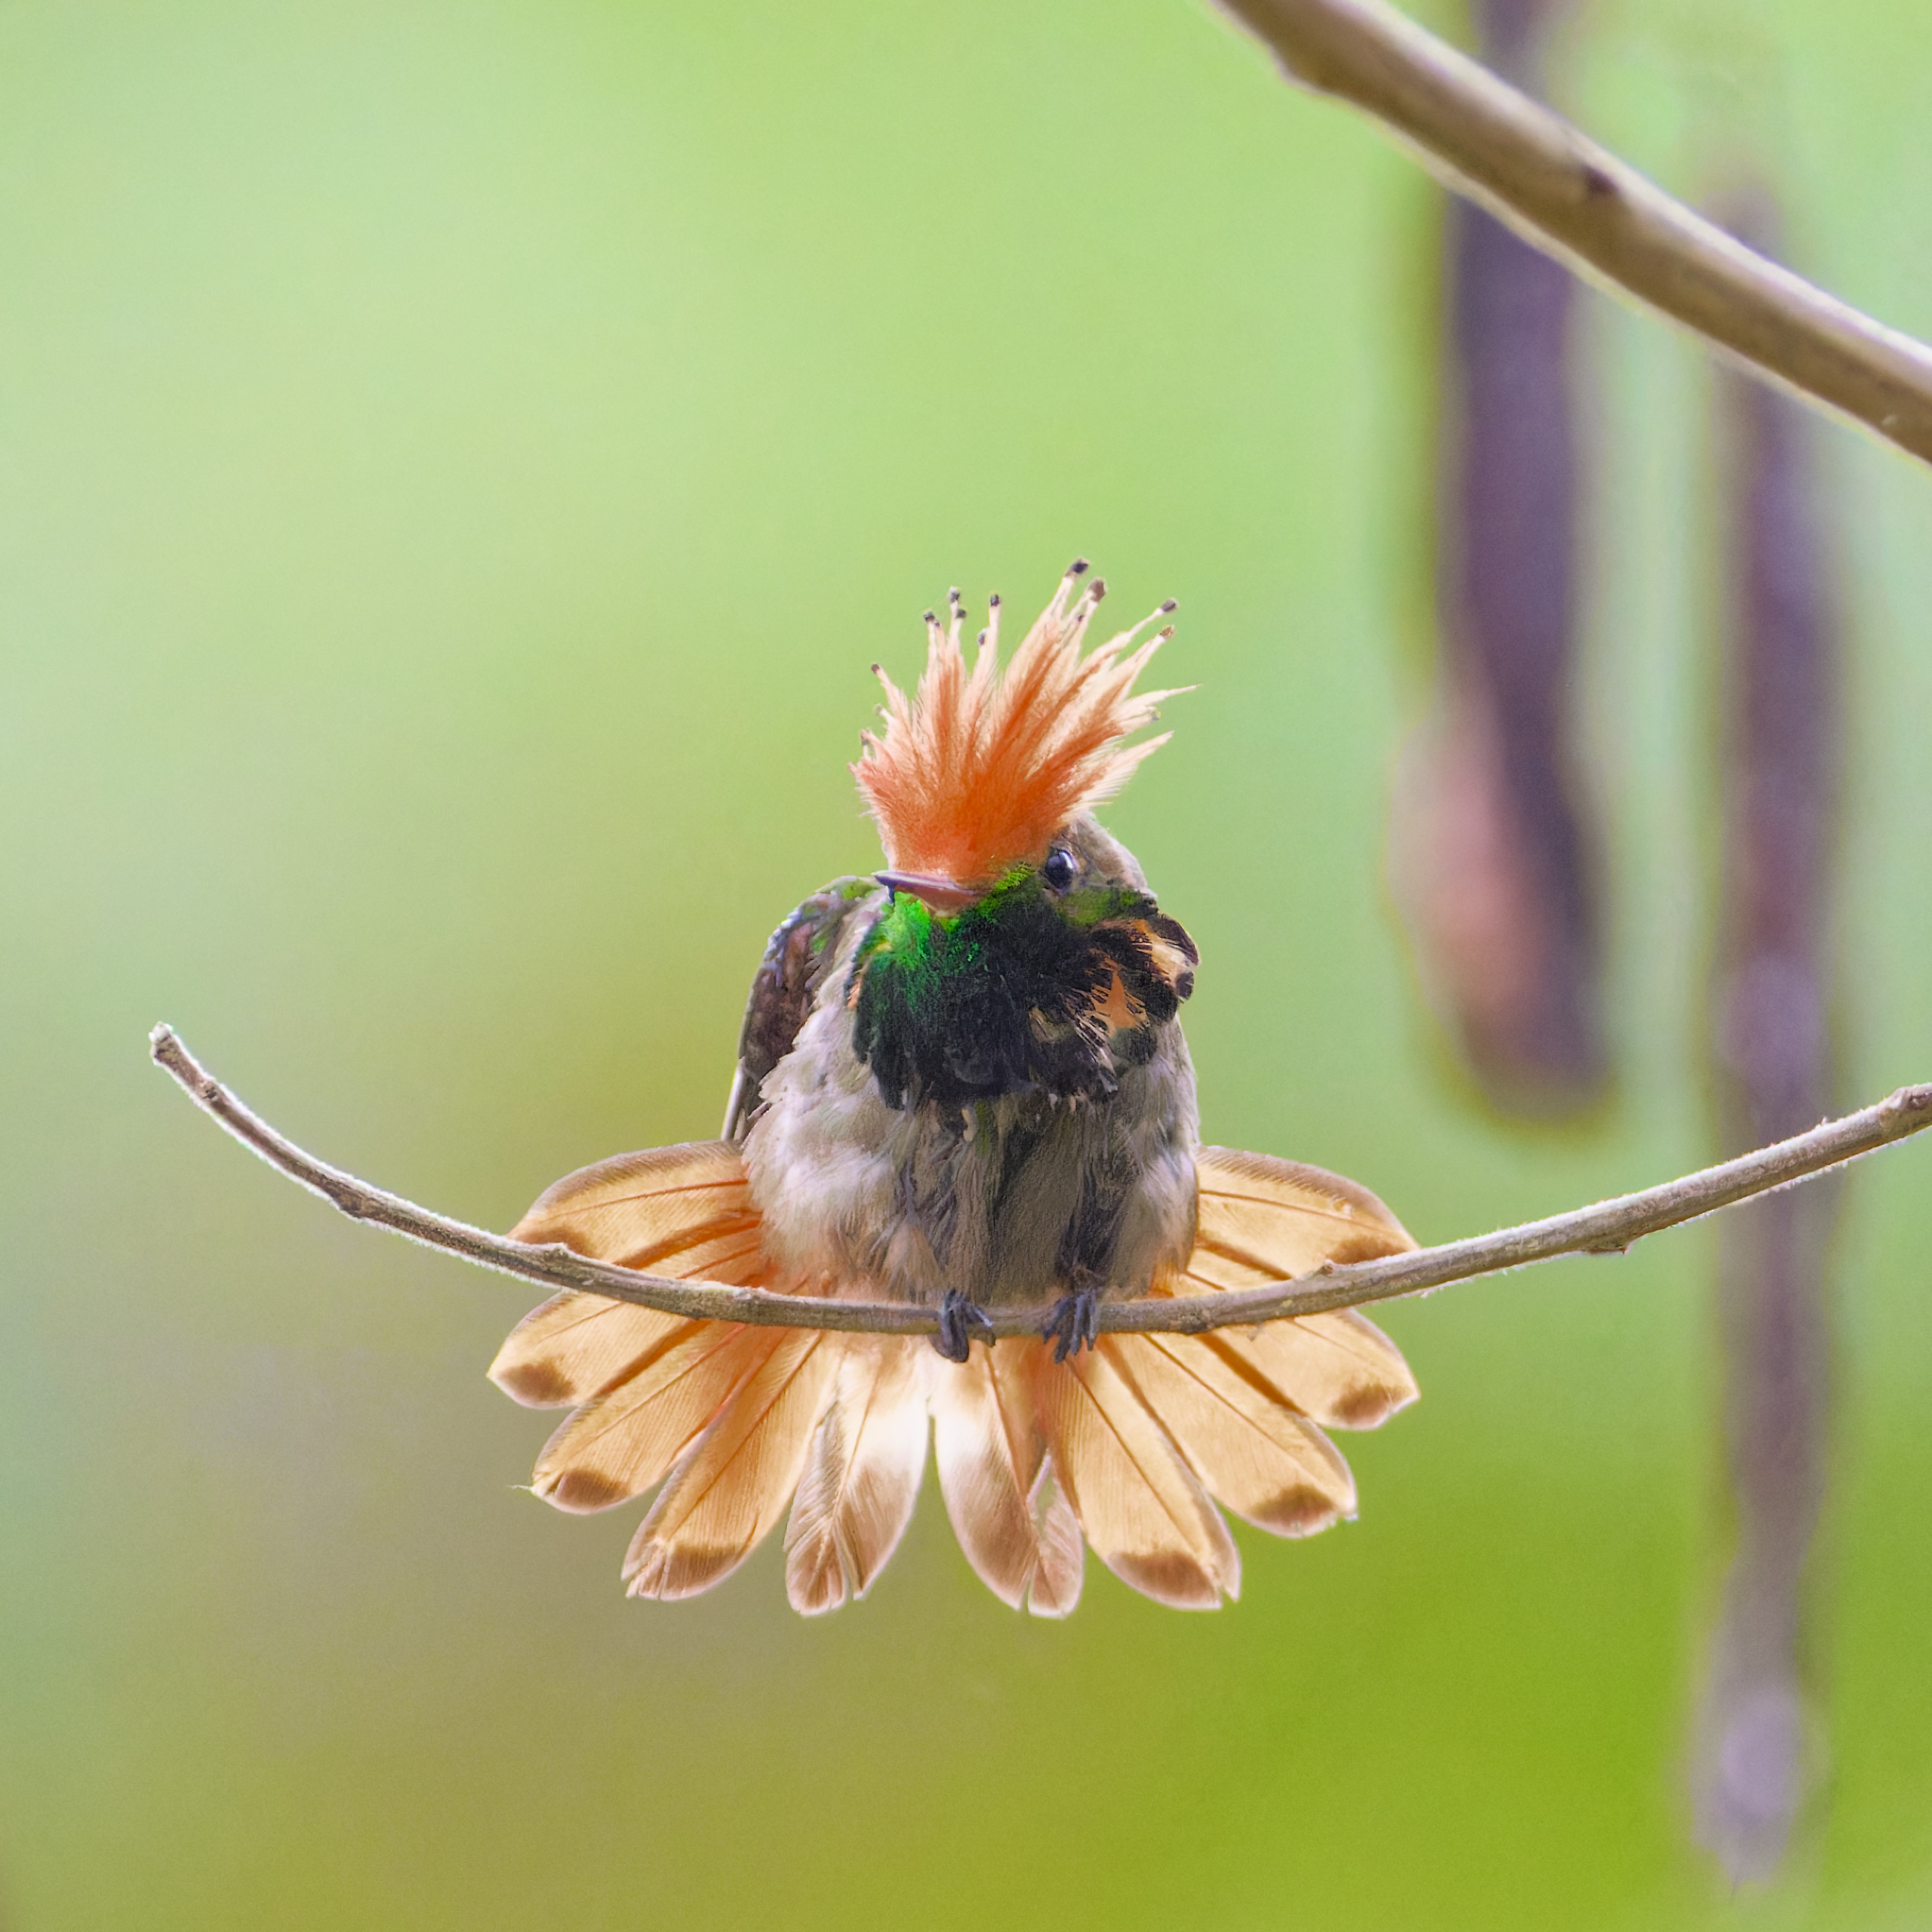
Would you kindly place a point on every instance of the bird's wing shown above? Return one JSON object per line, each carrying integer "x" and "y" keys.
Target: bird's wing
{"x": 1260, "y": 1219}
{"x": 797, "y": 958}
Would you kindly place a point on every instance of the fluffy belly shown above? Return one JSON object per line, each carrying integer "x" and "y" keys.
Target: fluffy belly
{"x": 1015, "y": 1202}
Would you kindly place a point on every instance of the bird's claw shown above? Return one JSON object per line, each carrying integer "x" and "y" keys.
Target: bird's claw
{"x": 959, "y": 1321}
{"x": 1075, "y": 1324}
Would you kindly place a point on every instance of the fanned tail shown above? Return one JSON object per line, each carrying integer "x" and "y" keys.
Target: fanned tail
{"x": 862, "y": 1472}
{"x": 723, "y": 1410}
{"x": 624, "y": 1441}
{"x": 728, "y": 1418}
{"x": 1129, "y": 1446}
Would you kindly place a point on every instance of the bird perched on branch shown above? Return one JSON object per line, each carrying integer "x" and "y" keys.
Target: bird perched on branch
{"x": 962, "y": 1084}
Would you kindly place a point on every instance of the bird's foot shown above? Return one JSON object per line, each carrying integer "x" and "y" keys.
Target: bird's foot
{"x": 959, "y": 1321}
{"x": 1075, "y": 1323}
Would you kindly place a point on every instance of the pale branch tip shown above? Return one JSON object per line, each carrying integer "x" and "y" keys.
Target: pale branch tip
{"x": 1608, "y": 1227}
{"x": 1598, "y": 215}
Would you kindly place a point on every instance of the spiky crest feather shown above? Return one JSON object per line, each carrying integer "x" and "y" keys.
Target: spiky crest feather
{"x": 978, "y": 769}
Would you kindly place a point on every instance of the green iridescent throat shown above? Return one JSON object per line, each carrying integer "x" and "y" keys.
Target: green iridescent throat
{"x": 1000, "y": 997}
{"x": 922, "y": 948}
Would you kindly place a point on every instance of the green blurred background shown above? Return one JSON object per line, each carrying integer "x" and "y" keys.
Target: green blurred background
{"x": 456, "y": 463}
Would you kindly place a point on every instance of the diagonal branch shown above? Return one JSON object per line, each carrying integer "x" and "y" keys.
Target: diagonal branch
{"x": 1607, "y": 1228}
{"x": 1601, "y": 218}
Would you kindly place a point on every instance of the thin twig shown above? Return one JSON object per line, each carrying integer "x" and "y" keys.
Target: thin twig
{"x": 1608, "y": 1227}
{"x": 1578, "y": 202}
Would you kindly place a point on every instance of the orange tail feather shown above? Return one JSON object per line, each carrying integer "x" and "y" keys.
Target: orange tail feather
{"x": 731, "y": 1486}
{"x": 862, "y": 1473}
{"x": 1339, "y": 1369}
{"x": 1017, "y": 1528}
{"x": 1142, "y": 1508}
{"x": 1252, "y": 1451}
{"x": 683, "y": 1211}
{"x": 622, "y": 1442}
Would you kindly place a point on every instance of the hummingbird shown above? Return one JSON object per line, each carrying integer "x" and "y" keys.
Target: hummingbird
{"x": 961, "y": 1084}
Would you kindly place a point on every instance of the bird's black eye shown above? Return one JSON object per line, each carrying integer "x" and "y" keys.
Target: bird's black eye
{"x": 1059, "y": 870}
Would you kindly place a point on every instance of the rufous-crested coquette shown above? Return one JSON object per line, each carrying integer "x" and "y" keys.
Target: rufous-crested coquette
{"x": 962, "y": 1083}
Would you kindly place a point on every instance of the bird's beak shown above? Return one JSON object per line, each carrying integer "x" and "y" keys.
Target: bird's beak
{"x": 940, "y": 895}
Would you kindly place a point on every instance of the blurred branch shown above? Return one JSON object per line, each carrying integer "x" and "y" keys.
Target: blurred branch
{"x": 1494, "y": 853}
{"x": 1607, "y": 1228}
{"x": 1772, "y": 996}
{"x": 1578, "y": 202}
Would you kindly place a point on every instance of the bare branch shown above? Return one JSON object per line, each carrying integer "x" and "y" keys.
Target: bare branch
{"x": 1607, "y": 1228}
{"x": 1578, "y": 202}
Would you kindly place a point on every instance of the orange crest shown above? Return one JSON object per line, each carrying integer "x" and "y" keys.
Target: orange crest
{"x": 980, "y": 769}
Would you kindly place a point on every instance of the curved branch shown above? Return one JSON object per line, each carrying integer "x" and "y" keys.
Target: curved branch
{"x": 1575, "y": 201}
{"x": 1607, "y": 1228}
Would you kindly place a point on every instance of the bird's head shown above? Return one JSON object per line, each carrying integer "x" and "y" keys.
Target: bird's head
{"x": 1020, "y": 949}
